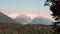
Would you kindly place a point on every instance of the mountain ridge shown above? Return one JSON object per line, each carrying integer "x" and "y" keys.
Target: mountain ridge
{"x": 4, "y": 18}
{"x": 28, "y": 20}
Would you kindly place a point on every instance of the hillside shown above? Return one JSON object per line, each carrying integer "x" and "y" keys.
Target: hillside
{"x": 4, "y": 18}
{"x": 11, "y": 28}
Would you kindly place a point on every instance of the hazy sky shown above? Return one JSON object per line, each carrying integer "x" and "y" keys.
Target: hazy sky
{"x": 22, "y": 4}
{"x": 14, "y": 8}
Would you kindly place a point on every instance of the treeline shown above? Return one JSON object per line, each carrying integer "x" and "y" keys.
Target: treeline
{"x": 11, "y": 28}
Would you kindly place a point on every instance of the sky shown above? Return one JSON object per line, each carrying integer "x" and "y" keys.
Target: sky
{"x": 31, "y": 8}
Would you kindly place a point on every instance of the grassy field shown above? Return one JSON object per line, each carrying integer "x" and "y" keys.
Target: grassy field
{"x": 11, "y": 28}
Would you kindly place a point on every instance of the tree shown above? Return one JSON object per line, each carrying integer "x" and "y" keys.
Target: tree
{"x": 55, "y": 9}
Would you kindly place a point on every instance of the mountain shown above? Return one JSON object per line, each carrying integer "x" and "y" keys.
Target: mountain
{"x": 40, "y": 20}
{"x": 4, "y": 18}
{"x": 23, "y": 19}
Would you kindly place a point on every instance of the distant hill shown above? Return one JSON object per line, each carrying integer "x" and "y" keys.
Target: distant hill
{"x": 23, "y": 19}
{"x": 4, "y": 18}
{"x": 40, "y": 20}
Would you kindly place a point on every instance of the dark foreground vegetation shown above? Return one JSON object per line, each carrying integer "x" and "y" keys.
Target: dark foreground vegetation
{"x": 11, "y": 28}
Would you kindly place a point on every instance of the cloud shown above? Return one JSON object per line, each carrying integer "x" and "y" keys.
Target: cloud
{"x": 30, "y": 14}
{"x": 41, "y": 14}
{"x": 13, "y": 14}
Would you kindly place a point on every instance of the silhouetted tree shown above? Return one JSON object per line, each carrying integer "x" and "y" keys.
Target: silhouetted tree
{"x": 55, "y": 8}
